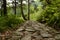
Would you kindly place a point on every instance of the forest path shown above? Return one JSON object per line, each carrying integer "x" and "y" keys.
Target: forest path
{"x": 33, "y": 30}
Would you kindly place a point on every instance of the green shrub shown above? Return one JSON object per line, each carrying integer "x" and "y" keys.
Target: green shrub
{"x": 10, "y": 21}
{"x": 50, "y": 15}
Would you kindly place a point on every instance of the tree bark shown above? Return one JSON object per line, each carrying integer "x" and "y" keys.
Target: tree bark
{"x": 48, "y": 1}
{"x": 22, "y": 10}
{"x": 4, "y": 8}
{"x": 28, "y": 10}
{"x": 15, "y": 7}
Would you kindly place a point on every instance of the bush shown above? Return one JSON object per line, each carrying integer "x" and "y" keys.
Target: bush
{"x": 10, "y": 21}
{"x": 51, "y": 16}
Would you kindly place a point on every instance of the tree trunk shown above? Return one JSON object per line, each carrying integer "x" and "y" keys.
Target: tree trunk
{"x": 48, "y": 1}
{"x": 1, "y": 8}
{"x": 22, "y": 10}
{"x": 4, "y": 8}
{"x": 15, "y": 7}
{"x": 28, "y": 10}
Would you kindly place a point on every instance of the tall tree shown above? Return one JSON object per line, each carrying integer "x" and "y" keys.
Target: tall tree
{"x": 1, "y": 7}
{"x": 4, "y": 7}
{"x": 15, "y": 7}
{"x": 22, "y": 10}
{"x": 48, "y": 1}
{"x": 28, "y": 9}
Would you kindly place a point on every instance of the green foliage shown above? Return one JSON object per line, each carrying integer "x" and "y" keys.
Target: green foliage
{"x": 31, "y": 9}
{"x": 10, "y": 21}
{"x": 51, "y": 13}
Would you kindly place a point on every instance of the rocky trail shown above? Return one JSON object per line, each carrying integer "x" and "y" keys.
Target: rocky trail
{"x": 32, "y": 30}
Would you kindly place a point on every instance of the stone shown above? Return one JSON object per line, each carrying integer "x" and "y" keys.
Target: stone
{"x": 20, "y": 29}
{"x": 45, "y": 34}
{"x": 39, "y": 37}
{"x": 36, "y": 34}
{"x": 51, "y": 39}
{"x": 19, "y": 33}
{"x": 30, "y": 29}
{"x": 48, "y": 39}
{"x": 27, "y": 37}
{"x": 37, "y": 28}
{"x": 57, "y": 36}
{"x": 16, "y": 37}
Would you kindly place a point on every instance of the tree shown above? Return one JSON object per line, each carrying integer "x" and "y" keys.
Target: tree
{"x": 4, "y": 8}
{"x": 1, "y": 7}
{"x": 15, "y": 7}
{"x": 28, "y": 10}
{"x": 22, "y": 10}
{"x": 51, "y": 13}
{"x": 48, "y": 1}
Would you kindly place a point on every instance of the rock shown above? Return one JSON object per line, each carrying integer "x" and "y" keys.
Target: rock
{"x": 57, "y": 36}
{"x": 26, "y": 32}
{"x": 39, "y": 38}
{"x": 27, "y": 37}
{"x": 37, "y": 33}
{"x": 48, "y": 39}
{"x": 30, "y": 29}
{"x": 51, "y": 39}
{"x": 20, "y": 29}
{"x": 16, "y": 38}
{"x": 37, "y": 27}
{"x": 45, "y": 34}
